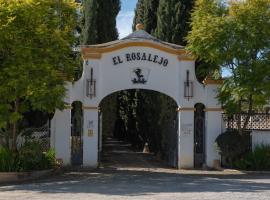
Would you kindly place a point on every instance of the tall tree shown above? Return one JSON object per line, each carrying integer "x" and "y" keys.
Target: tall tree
{"x": 90, "y": 32}
{"x": 106, "y": 20}
{"x": 139, "y": 14}
{"x": 99, "y": 24}
{"x": 35, "y": 48}
{"x": 173, "y": 15}
{"x": 150, "y": 15}
{"x": 146, "y": 14}
{"x": 236, "y": 37}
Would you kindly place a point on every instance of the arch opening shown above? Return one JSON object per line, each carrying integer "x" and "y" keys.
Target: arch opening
{"x": 143, "y": 120}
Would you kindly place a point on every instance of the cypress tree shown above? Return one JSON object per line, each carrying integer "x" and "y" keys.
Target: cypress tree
{"x": 150, "y": 15}
{"x": 99, "y": 24}
{"x": 89, "y": 22}
{"x": 146, "y": 14}
{"x": 139, "y": 14}
{"x": 174, "y": 15}
{"x": 106, "y": 20}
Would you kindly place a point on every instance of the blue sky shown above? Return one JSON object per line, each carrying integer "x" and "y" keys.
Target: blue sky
{"x": 125, "y": 17}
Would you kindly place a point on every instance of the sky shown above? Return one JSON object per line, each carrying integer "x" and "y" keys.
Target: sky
{"x": 125, "y": 17}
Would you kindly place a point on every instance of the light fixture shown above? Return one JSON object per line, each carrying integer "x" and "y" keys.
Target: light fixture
{"x": 91, "y": 86}
{"x": 188, "y": 87}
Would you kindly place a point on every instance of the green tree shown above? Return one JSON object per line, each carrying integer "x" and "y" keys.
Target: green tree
{"x": 139, "y": 14}
{"x": 99, "y": 21}
{"x": 236, "y": 37}
{"x": 146, "y": 14}
{"x": 106, "y": 20}
{"x": 150, "y": 15}
{"x": 35, "y": 51}
{"x": 90, "y": 32}
{"x": 175, "y": 16}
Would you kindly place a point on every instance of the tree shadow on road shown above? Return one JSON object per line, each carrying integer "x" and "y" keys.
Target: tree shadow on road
{"x": 111, "y": 181}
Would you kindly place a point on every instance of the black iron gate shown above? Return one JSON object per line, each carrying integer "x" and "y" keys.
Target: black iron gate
{"x": 76, "y": 134}
{"x": 199, "y": 136}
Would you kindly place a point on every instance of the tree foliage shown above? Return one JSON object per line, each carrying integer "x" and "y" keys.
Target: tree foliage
{"x": 236, "y": 37}
{"x": 99, "y": 24}
{"x": 35, "y": 54}
{"x": 175, "y": 16}
{"x": 146, "y": 14}
{"x": 89, "y": 33}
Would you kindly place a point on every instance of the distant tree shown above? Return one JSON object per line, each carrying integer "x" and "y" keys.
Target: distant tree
{"x": 106, "y": 20}
{"x": 89, "y": 26}
{"x": 99, "y": 24}
{"x": 150, "y": 15}
{"x": 146, "y": 14}
{"x": 35, "y": 52}
{"x": 139, "y": 14}
{"x": 174, "y": 16}
{"x": 236, "y": 37}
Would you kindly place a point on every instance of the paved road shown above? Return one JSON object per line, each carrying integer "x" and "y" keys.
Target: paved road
{"x": 139, "y": 182}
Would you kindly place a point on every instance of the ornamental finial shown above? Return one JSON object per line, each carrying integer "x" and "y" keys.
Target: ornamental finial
{"x": 139, "y": 27}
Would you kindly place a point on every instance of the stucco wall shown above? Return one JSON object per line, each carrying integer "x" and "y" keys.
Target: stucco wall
{"x": 260, "y": 137}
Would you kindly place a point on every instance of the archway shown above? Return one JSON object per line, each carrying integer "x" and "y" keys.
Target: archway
{"x": 138, "y": 61}
{"x": 145, "y": 119}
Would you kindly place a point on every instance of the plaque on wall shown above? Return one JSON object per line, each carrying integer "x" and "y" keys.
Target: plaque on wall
{"x": 186, "y": 129}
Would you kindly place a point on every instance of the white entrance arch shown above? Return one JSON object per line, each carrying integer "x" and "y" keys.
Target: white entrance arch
{"x": 138, "y": 61}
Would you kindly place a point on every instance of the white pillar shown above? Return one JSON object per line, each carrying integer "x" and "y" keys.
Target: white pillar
{"x": 186, "y": 138}
{"x": 60, "y": 135}
{"x": 90, "y": 137}
{"x": 213, "y": 129}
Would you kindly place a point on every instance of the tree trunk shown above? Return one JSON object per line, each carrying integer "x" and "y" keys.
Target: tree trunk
{"x": 14, "y": 126}
{"x": 239, "y": 116}
{"x": 250, "y": 106}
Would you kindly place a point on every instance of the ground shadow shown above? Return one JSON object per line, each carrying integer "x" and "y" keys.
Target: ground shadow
{"x": 111, "y": 181}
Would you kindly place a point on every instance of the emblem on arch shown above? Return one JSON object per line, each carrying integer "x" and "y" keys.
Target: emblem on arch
{"x": 139, "y": 75}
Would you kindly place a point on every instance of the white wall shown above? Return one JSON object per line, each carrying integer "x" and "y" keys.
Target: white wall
{"x": 90, "y": 141}
{"x": 260, "y": 137}
{"x": 186, "y": 139}
{"x": 60, "y": 135}
{"x": 213, "y": 129}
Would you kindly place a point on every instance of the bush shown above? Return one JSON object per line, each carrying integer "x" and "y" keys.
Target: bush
{"x": 30, "y": 157}
{"x": 33, "y": 158}
{"x": 9, "y": 161}
{"x": 231, "y": 145}
{"x": 258, "y": 159}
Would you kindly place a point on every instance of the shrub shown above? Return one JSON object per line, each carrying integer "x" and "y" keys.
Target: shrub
{"x": 231, "y": 145}
{"x": 33, "y": 158}
{"x": 29, "y": 157}
{"x": 9, "y": 161}
{"x": 258, "y": 159}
